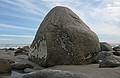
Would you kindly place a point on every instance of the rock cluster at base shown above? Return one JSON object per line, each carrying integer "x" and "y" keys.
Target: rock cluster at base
{"x": 107, "y": 59}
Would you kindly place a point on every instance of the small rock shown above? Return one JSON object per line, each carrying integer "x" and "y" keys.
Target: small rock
{"x": 107, "y": 59}
{"x": 28, "y": 70}
{"x": 5, "y": 66}
{"x": 38, "y": 68}
{"x": 11, "y": 49}
{"x": 117, "y": 53}
{"x": 105, "y": 46}
{"x": 21, "y": 57}
{"x": 117, "y": 48}
{"x": 22, "y": 51}
{"x": 21, "y": 66}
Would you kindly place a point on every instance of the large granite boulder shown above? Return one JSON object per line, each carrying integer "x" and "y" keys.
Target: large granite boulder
{"x": 63, "y": 38}
{"x": 48, "y": 73}
{"x": 105, "y": 46}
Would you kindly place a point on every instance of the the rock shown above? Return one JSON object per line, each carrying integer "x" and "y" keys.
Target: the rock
{"x": 21, "y": 66}
{"x": 105, "y": 46}
{"x": 116, "y": 48}
{"x": 107, "y": 59}
{"x": 23, "y": 59}
{"x": 22, "y": 51}
{"x": 11, "y": 49}
{"x": 5, "y": 66}
{"x": 63, "y": 38}
{"x": 48, "y": 73}
{"x": 117, "y": 53}
{"x": 28, "y": 70}
{"x": 8, "y": 55}
{"x": 26, "y": 48}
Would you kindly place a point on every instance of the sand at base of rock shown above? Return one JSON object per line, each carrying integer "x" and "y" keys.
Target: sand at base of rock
{"x": 91, "y": 70}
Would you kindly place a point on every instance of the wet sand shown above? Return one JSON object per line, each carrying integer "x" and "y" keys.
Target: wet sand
{"x": 92, "y": 70}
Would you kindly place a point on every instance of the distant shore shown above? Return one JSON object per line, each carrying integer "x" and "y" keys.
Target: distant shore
{"x": 15, "y": 46}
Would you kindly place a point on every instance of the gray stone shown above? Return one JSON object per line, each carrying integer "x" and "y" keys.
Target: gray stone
{"x": 23, "y": 59}
{"x": 117, "y": 53}
{"x": 22, "y": 51}
{"x": 5, "y": 66}
{"x": 28, "y": 70}
{"x": 48, "y": 73}
{"x": 105, "y": 46}
{"x": 63, "y": 38}
{"x": 21, "y": 66}
{"x": 107, "y": 59}
{"x": 116, "y": 48}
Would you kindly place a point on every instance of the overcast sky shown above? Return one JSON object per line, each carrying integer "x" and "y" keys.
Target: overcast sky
{"x": 19, "y": 19}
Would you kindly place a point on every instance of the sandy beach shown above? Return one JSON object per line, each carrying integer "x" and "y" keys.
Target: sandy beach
{"x": 92, "y": 71}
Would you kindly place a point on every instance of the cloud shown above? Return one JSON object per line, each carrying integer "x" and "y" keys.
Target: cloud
{"x": 30, "y": 6}
{"x": 106, "y": 19}
{"x": 24, "y": 6}
{"x": 20, "y": 16}
{"x": 110, "y": 30}
{"x": 16, "y": 27}
{"x": 22, "y": 9}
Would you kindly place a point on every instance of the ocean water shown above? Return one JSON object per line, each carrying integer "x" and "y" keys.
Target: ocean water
{"x": 12, "y": 45}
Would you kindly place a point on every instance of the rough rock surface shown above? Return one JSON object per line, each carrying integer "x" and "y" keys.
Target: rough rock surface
{"x": 105, "y": 46}
{"x": 28, "y": 70}
{"x": 23, "y": 60}
{"x": 21, "y": 66}
{"x": 22, "y": 51}
{"x": 63, "y": 38}
{"x": 6, "y": 59}
{"x": 117, "y": 48}
{"x": 5, "y": 66}
{"x": 48, "y": 73}
{"x": 107, "y": 59}
{"x": 117, "y": 53}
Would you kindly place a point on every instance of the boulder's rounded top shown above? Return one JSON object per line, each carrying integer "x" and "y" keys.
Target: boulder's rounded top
{"x": 60, "y": 7}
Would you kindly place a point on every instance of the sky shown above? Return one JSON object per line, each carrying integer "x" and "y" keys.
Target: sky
{"x": 20, "y": 19}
